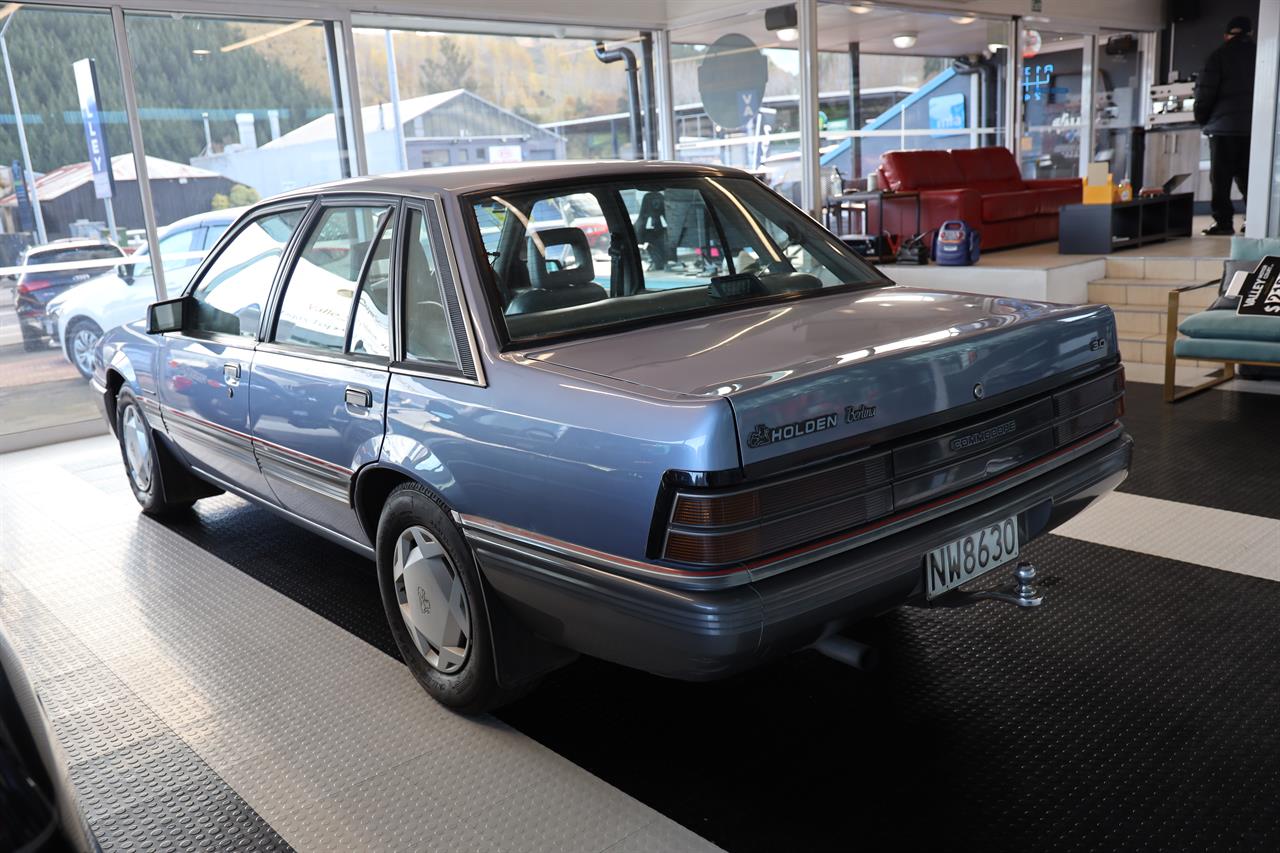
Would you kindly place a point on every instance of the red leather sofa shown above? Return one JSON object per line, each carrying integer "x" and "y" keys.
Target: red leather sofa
{"x": 982, "y": 186}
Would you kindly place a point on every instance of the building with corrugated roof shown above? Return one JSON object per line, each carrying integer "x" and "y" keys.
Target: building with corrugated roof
{"x": 66, "y": 194}
{"x": 450, "y": 128}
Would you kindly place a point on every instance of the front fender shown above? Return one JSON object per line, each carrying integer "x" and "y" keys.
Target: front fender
{"x": 134, "y": 356}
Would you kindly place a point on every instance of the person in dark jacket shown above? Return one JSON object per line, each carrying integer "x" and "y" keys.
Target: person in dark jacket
{"x": 1224, "y": 109}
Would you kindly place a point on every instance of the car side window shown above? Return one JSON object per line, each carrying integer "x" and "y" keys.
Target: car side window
{"x": 231, "y": 296}
{"x": 370, "y": 333}
{"x": 321, "y": 289}
{"x": 175, "y": 252}
{"x": 428, "y": 333}
{"x": 214, "y": 233}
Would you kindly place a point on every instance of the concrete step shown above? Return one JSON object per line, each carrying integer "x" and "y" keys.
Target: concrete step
{"x": 1138, "y": 348}
{"x": 1143, "y": 349}
{"x": 1192, "y": 269}
{"x": 1144, "y": 319}
{"x": 1147, "y": 291}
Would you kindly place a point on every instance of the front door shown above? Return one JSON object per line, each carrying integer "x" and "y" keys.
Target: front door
{"x": 206, "y": 373}
{"x": 320, "y": 378}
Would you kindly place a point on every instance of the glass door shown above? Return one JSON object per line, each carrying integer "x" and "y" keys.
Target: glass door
{"x": 1118, "y": 91}
{"x": 1053, "y": 68}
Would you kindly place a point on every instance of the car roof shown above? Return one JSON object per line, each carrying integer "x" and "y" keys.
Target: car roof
{"x": 456, "y": 180}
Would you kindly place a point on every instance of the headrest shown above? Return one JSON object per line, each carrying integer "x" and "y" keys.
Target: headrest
{"x": 576, "y": 266}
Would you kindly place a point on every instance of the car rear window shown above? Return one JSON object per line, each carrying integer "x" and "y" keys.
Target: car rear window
{"x": 77, "y": 253}
{"x": 579, "y": 259}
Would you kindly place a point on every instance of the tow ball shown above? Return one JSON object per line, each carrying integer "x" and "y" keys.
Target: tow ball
{"x": 1022, "y": 592}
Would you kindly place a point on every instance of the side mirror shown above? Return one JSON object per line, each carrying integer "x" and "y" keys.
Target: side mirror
{"x": 126, "y": 272}
{"x": 168, "y": 316}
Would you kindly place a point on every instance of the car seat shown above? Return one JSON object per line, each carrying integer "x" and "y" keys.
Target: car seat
{"x": 554, "y": 284}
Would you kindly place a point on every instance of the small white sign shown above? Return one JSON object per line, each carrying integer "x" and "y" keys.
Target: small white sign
{"x": 505, "y": 154}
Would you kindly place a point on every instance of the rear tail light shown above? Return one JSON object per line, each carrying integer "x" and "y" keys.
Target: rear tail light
{"x": 719, "y": 528}
{"x": 27, "y": 285}
{"x": 731, "y": 527}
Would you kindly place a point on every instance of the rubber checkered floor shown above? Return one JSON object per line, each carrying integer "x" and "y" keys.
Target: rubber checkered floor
{"x": 227, "y": 681}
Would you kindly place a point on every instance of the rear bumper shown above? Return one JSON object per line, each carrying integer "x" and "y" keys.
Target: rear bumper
{"x": 702, "y": 634}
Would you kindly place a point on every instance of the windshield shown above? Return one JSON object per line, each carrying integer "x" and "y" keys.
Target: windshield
{"x": 582, "y": 258}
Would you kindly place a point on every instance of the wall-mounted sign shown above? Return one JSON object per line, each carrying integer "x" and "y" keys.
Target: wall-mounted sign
{"x": 104, "y": 184}
{"x": 505, "y": 154}
{"x": 946, "y": 112}
{"x": 26, "y": 216}
{"x": 1036, "y": 80}
{"x": 731, "y": 80}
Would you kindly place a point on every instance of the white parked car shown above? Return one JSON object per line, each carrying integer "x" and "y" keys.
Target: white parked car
{"x": 77, "y": 318}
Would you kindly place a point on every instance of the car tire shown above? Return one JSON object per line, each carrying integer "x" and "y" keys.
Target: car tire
{"x": 141, "y": 458}
{"x": 433, "y": 600}
{"x": 82, "y": 333}
{"x": 33, "y": 342}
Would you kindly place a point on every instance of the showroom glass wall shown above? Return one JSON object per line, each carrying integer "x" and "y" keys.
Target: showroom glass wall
{"x": 231, "y": 109}
{"x": 737, "y": 89}
{"x": 440, "y": 92}
{"x": 237, "y": 105}
{"x": 925, "y": 80}
{"x": 39, "y": 388}
{"x": 220, "y": 103}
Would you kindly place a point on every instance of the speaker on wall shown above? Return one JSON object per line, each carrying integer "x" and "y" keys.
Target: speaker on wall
{"x": 1183, "y": 10}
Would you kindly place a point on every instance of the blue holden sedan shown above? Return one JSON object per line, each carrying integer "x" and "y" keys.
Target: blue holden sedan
{"x": 678, "y": 425}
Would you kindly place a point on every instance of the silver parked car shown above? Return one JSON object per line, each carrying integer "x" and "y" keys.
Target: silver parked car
{"x": 709, "y": 438}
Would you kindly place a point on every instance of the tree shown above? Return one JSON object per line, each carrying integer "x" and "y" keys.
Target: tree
{"x": 220, "y": 201}
{"x": 242, "y": 196}
{"x": 178, "y": 79}
{"x": 449, "y": 69}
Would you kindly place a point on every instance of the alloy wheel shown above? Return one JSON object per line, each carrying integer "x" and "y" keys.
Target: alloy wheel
{"x": 82, "y": 345}
{"x": 433, "y": 601}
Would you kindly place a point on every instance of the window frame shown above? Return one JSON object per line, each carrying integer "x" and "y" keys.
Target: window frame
{"x": 302, "y": 203}
{"x": 310, "y": 222}
{"x": 429, "y": 206}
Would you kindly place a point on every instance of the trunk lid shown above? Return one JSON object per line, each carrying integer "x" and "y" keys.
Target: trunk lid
{"x": 817, "y": 371}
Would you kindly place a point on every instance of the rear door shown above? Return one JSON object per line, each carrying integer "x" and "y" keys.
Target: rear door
{"x": 320, "y": 377}
{"x": 206, "y": 370}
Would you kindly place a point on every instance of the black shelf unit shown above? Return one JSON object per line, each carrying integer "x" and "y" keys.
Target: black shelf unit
{"x": 1098, "y": 229}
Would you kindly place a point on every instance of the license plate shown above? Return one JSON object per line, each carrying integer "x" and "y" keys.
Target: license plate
{"x": 969, "y": 556}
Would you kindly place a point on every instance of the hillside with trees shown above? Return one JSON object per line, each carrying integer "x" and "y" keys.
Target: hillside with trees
{"x": 175, "y": 84}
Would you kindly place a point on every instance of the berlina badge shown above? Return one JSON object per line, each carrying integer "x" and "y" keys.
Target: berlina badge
{"x": 979, "y": 392}
{"x": 860, "y": 412}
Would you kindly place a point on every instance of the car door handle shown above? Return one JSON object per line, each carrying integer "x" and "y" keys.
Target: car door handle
{"x": 359, "y": 397}
{"x": 231, "y": 373}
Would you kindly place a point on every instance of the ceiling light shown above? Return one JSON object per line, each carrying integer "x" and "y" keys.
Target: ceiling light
{"x": 788, "y": 34}
{"x": 963, "y": 20}
{"x": 993, "y": 47}
{"x": 903, "y": 41}
{"x": 860, "y": 8}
